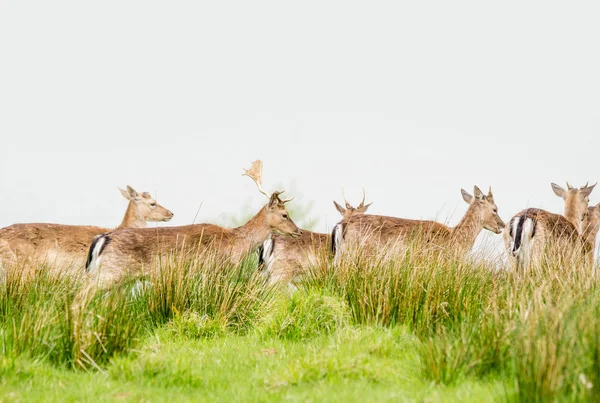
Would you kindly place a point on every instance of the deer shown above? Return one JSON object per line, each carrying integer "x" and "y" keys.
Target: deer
{"x": 65, "y": 247}
{"x": 387, "y": 236}
{"x": 533, "y": 233}
{"x": 284, "y": 259}
{"x": 590, "y": 231}
{"x": 124, "y": 253}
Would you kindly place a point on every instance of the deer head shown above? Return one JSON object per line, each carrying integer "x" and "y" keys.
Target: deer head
{"x": 576, "y": 202}
{"x": 276, "y": 215}
{"x": 143, "y": 207}
{"x": 349, "y": 210}
{"x": 487, "y": 209}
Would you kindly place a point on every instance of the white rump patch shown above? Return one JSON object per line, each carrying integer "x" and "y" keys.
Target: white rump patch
{"x": 524, "y": 252}
{"x": 513, "y": 234}
{"x": 267, "y": 255}
{"x": 338, "y": 238}
{"x": 95, "y": 261}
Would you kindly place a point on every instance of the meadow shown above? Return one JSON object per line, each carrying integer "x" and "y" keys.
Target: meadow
{"x": 420, "y": 327}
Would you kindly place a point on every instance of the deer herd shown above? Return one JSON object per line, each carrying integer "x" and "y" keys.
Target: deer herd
{"x": 106, "y": 257}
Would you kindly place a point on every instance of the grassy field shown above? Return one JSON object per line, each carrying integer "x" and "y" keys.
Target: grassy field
{"x": 420, "y": 328}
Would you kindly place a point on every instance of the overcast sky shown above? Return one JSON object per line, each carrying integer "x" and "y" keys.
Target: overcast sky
{"x": 412, "y": 100}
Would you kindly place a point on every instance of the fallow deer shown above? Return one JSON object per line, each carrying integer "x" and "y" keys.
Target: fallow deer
{"x": 284, "y": 258}
{"x": 534, "y": 233}
{"x": 65, "y": 247}
{"x": 391, "y": 235}
{"x": 590, "y": 230}
{"x": 124, "y": 253}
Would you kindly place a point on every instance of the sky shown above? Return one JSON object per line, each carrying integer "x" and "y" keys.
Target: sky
{"x": 410, "y": 100}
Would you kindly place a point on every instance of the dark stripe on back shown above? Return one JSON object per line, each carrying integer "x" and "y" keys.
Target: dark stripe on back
{"x": 261, "y": 261}
{"x": 519, "y": 233}
{"x": 93, "y": 246}
{"x": 333, "y": 237}
{"x": 529, "y": 214}
{"x": 261, "y": 252}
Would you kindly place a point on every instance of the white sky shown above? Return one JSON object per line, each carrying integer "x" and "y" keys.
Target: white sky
{"x": 412, "y": 100}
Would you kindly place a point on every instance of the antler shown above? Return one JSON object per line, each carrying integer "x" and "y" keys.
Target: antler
{"x": 255, "y": 173}
{"x": 586, "y": 185}
{"x": 569, "y": 186}
{"x": 284, "y": 200}
{"x": 362, "y": 203}
{"x": 348, "y": 205}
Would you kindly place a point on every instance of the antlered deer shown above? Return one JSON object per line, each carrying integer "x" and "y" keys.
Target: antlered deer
{"x": 123, "y": 253}
{"x": 66, "y": 246}
{"x": 391, "y": 235}
{"x": 284, "y": 258}
{"x": 534, "y": 233}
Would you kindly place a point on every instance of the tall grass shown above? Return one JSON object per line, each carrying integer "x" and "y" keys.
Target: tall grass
{"x": 38, "y": 319}
{"x": 538, "y": 331}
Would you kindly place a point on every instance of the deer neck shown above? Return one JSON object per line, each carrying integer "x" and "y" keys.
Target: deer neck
{"x": 469, "y": 227}
{"x": 131, "y": 219}
{"x": 252, "y": 234}
{"x": 572, "y": 214}
{"x": 589, "y": 236}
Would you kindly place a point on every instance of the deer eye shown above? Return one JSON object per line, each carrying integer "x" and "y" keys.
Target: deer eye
{"x": 153, "y": 204}
{"x": 285, "y": 216}
{"x": 496, "y": 210}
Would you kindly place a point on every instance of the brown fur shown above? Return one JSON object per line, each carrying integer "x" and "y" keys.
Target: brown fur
{"x": 576, "y": 203}
{"x": 390, "y": 235}
{"x": 127, "y": 251}
{"x": 591, "y": 226}
{"x": 292, "y": 257}
{"x": 557, "y": 236}
{"x": 65, "y": 246}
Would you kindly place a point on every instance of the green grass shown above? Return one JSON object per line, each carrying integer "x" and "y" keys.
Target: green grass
{"x": 353, "y": 364}
{"x": 424, "y": 327}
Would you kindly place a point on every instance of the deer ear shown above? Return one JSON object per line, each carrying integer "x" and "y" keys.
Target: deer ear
{"x": 466, "y": 196}
{"x": 339, "y": 208}
{"x": 478, "y": 193}
{"x": 559, "y": 191}
{"x": 586, "y": 191}
{"x": 274, "y": 199}
{"x": 363, "y": 209}
{"x": 125, "y": 194}
{"x": 133, "y": 194}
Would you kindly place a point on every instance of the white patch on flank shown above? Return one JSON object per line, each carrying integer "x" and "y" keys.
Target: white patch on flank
{"x": 524, "y": 252}
{"x": 513, "y": 234}
{"x": 95, "y": 261}
{"x": 338, "y": 232}
{"x": 267, "y": 255}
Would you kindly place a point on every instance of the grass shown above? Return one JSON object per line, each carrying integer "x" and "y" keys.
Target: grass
{"x": 420, "y": 327}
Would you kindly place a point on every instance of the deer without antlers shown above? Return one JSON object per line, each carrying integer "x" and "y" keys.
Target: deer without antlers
{"x": 123, "y": 253}
{"x": 285, "y": 259}
{"x": 534, "y": 234}
{"x": 65, "y": 246}
{"x": 377, "y": 234}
